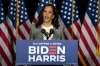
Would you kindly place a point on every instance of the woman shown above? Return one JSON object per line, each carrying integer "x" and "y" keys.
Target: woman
{"x": 48, "y": 26}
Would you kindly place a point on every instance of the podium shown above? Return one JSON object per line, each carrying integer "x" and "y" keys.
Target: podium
{"x": 46, "y": 52}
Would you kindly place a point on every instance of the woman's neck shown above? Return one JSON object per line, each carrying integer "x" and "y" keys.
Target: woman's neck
{"x": 47, "y": 24}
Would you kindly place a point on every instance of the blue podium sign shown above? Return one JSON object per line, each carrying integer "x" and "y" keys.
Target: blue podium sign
{"x": 38, "y": 52}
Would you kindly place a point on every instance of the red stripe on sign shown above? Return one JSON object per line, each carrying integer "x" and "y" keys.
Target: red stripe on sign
{"x": 52, "y": 47}
{"x": 53, "y": 50}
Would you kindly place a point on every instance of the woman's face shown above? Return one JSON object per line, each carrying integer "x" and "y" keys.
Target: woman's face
{"x": 47, "y": 14}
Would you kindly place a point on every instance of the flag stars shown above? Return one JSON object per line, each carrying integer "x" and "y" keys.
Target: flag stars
{"x": 2, "y": 13}
{"x": 66, "y": 3}
{"x": 69, "y": 9}
{"x": 42, "y": 5}
{"x": 92, "y": 14}
{"x": 22, "y": 3}
{"x": 90, "y": 4}
{"x": 25, "y": 13}
{"x": 89, "y": 8}
{"x": 26, "y": 17}
{"x": 54, "y": 4}
{"x": 61, "y": 11}
{"x": 69, "y": 13}
{"x": 65, "y": 7}
{"x": 12, "y": 4}
{"x": 21, "y": 20}
{"x": 95, "y": 20}
{"x": 70, "y": 4}
{"x": 1, "y": 9}
{"x": 64, "y": 16}
{"x": 65, "y": 12}
{"x": 22, "y": 7}
{"x": 11, "y": 8}
{"x": 22, "y": 12}
{"x": 96, "y": 16}
{"x": 68, "y": 17}
{"x": 62, "y": 6}
{"x": 21, "y": 16}
{"x": 46, "y": 2}
{"x": 2, "y": 18}
{"x": 11, "y": 12}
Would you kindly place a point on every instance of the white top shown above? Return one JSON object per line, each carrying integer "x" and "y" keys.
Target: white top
{"x": 47, "y": 29}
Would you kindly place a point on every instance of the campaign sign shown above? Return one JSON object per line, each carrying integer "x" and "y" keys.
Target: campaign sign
{"x": 40, "y": 52}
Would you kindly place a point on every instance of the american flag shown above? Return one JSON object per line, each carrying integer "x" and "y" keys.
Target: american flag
{"x": 24, "y": 21}
{"x": 88, "y": 36}
{"x": 7, "y": 52}
{"x": 69, "y": 15}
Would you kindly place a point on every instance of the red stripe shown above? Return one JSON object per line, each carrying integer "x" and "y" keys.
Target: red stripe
{"x": 53, "y": 50}
{"x": 12, "y": 38}
{"x": 82, "y": 54}
{"x": 77, "y": 26}
{"x": 5, "y": 57}
{"x": 89, "y": 49}
{"x": 6, "y": 41}
{"x": 71, "y": 32}
{"x": 52, "y": 53}
{"x": 65, "y": 36}
{"x": 26, "y": 27}
{"x": 21, "y": 34}
{"x": 52, "y": 47}
{"x": 90, "y": 33}
{"x": 10, "y": 31}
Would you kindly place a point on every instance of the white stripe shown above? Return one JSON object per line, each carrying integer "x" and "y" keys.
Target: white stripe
{"x": 5, "y": 31}
{"x": 13, "y": 30}
{"x": 92, "y": 27}
{"x": 36, "y": 15}
{"x": 75, "y": 30}
{"x": 28, "y": 23}
{"x": 11, "y": 26}
{"x": 23, "y": 30}
{"x": 3, "y": 63}
{"x": 85, "y": 52}
{"x": 69, "y": 36}
{"x": 90, "y": 42}
{"x": 5, "y": 49}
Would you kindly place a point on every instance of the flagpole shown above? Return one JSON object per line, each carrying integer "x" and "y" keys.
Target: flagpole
{"x": 17, "y": 18}
{"x": 98, "y": 31}
{"x": 72, "y": 17}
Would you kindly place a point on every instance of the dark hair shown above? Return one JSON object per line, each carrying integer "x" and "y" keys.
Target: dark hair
{"x": 55, "y": 21}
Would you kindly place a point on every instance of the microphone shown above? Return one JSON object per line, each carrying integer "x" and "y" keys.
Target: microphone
{"x": 51, "y": 32}
{"x": 45, "y": 33}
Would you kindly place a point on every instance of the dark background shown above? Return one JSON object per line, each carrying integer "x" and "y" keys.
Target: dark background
{"x": 31, "y": 6}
